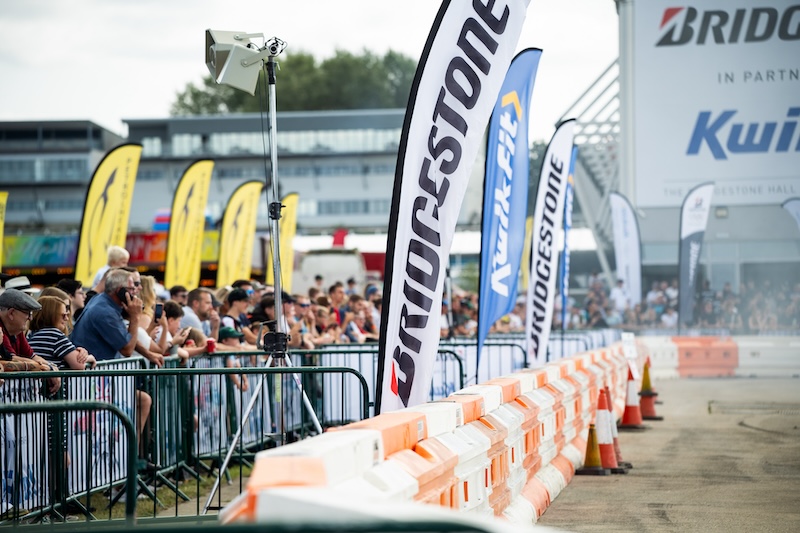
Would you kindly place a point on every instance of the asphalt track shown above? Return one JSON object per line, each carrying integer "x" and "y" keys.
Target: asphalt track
{"x": 726, "y": 457}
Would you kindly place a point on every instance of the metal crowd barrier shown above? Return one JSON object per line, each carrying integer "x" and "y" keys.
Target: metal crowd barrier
{"x": 194, "y": 413}
{"x": 36, "y": 465}
{"x": 448, "y": 374}
{"x": 499, "y": 356}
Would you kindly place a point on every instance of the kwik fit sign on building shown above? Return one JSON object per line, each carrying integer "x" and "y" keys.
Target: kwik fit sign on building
{"x": 717, "y": 97}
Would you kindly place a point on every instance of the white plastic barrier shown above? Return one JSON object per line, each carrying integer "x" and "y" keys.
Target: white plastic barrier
{"x": 768, "y": 356}
{"x": 663, "y": 357}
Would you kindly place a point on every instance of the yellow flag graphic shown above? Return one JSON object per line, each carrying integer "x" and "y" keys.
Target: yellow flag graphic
{"x": 186, "y": 226}
{"x": 3, "y": 200}
{"x": 237, "y": 233}
{"x": 525, "y": 265}
{"x": 106, "y": 210}
{"x": 288, "y": 228}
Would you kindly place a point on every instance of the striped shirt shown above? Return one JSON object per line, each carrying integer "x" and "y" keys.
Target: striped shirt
{"x": 51, "y": 344}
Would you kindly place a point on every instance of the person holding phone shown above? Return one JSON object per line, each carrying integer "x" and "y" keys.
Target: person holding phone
{"x": 178, "y": 336}
{"x": 100, "y": 328}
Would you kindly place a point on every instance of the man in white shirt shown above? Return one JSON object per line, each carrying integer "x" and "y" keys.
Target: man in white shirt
{"x": 619, "y": 297}
{"x": 669, "y": 319}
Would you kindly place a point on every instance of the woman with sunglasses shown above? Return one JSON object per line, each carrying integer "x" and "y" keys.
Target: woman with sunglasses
{"x": 47, "y": 336}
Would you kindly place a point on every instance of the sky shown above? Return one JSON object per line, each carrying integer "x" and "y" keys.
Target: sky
{"x": 111, "y": 60}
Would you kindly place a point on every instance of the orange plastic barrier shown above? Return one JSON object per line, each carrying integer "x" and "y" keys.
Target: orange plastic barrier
{"x": 506, "y": 447}
{"x": 400, "y": 430}
{"x": 706, "y": 356}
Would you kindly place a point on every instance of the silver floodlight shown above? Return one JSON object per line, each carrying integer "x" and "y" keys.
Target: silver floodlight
{"x": 233, "y": 59}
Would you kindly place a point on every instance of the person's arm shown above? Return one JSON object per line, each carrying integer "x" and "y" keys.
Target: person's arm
{"x": 133, "y": 305}
{"x": 79, "y": 359}
{"x": 249, "y": 335}
{"x": 162, "y": 339}
{"x": 214, "y": 321}
{"x": 154, "y": 357}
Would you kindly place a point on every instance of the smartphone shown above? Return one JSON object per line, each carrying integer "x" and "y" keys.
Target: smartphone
{"x": 159, "y": 310}
{"x": 121, "y": 294}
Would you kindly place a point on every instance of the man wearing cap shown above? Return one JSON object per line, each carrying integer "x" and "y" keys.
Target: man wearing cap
{"x": 100, "y": 327}
{"x": 293, "y": 328}
{"x": 253, "y": 297}
{"x": 16, "y": 308}
{"x": 199, "y": 312}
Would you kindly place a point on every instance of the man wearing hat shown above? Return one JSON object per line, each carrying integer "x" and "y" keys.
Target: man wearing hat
{"x": 21, "y": 283}
{"x": 230, "y": 337}
{"x": 292, "y": 327}
{"x": 16, "y": 308}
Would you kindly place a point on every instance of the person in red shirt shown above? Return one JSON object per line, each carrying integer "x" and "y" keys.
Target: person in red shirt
{"x": 16, "y": 308}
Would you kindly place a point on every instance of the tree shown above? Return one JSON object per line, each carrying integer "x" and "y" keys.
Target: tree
{"x": 344, "y": 81}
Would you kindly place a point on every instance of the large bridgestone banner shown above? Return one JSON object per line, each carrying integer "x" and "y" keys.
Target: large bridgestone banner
{"x": 458, "y": 78}
{"x": 716, "y": 89}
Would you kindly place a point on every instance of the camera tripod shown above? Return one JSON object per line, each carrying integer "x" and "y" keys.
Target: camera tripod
{"x": 276, "y": 347}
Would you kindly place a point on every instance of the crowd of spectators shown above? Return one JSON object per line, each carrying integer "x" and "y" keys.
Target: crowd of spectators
{"x": 71, "y": 327}
{"x": 757, "y": 308}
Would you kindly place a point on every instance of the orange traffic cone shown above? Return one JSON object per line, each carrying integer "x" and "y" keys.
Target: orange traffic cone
{"x": 615, "y": 434}
{"x": 649, "y": 365}
{"x": 632, "y": 416}
{"x": 593, "y": 464}
{"x": 605, "y": 438}
{"x": 648, "y": 397}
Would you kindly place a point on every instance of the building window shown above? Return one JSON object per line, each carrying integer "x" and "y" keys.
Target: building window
{"x": 63, "y": 205}
{"x": 21, "y": 205}
{"x": 380, "y": 207}
{"x": 230, "y": 173}
{"x": 151, "y": 147}
{"x": 307, "y": 208}
{"x": 58, "y": 170}
{"x": 186, "y": 144}
{"x": 351, "y": 207}
{"x": 17, "y": 170}
{"x": 150, "y": 174}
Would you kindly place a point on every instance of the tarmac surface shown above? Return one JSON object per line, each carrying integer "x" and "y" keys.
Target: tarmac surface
{"x": 726, "y": 457}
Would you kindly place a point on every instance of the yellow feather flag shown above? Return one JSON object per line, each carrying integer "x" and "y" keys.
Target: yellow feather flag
{"x": 186, "y": 226}
{"x": 288, "y": 228}
{"x": 3, "y": 200}
{"x": 237, "y": 233}
{"x": 525, "y": 265}
{"x": 106, "y": 210}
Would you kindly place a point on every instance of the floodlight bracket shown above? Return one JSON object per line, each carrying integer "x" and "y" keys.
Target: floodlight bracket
{"x": 271, "y": 48}
{"x": 244, "y": 36}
